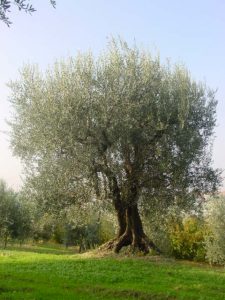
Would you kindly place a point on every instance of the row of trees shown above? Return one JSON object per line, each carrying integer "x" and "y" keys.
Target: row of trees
{"x": 21, "y": 221}
{"x": 197, "y": 235}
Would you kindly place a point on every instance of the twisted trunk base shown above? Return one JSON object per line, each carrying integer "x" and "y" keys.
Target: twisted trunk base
{"x": 130, "y": 233}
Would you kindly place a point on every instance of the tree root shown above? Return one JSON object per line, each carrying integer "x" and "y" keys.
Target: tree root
{"x": 109, "y": 245}
{"x": 143, "y": 244}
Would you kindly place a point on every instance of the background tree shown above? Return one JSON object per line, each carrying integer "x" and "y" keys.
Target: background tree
{"x": 122, "y": 128}
{"x": 15, "y": 216}
{"x": 23, "y": 5}
{"x": 215, "y": 220}
{"x": 22, "y": 226}
{"x": 7, "y": 211}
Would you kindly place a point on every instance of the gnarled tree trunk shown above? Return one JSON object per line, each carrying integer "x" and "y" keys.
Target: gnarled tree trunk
{"x": 133, "y": 234}
{"x": 130, "y": 230}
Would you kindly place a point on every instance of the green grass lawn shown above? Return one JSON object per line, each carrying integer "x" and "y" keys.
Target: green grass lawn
{"x": 45, "y": 273}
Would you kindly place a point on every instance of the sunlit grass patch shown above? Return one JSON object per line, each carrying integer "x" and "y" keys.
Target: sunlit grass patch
{"x": 38, "y": 275}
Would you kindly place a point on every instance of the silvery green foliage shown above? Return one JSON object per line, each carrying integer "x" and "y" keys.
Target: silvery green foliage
{"x": 23, "y": 5}
{"x": 156, "y": 228}
{"x": 89, "y": 224}
{"x": 87, "y": 120}
{"x": 215, "y": 240}
{"x": 157, "y": 222}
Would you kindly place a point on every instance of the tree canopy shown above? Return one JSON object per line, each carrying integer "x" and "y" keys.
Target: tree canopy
{"x": 23, "y": 5}
{"x": 121, "y": 128}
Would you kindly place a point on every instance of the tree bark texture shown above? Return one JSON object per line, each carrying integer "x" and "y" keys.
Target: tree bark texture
{"x": 130, "y": 232}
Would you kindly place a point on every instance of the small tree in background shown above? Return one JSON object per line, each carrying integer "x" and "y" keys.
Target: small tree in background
{"x": 15, "y": 216}
{"x": 7, "y": 212}
{"x": 22, "y": 226}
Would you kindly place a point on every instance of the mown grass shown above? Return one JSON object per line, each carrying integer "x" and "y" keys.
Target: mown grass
{"x": 44, "y": 273}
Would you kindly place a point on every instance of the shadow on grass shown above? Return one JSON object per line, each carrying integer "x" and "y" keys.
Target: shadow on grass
{"x": 41, "y": 249}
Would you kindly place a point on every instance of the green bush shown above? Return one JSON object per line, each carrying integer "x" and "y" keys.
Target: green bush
{"x": 187, "y": 238}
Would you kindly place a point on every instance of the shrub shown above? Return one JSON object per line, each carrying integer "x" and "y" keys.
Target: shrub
{"x": 177, "y": 233}
{"x": 187, "y": 238}
{"x": 215, "y": 239}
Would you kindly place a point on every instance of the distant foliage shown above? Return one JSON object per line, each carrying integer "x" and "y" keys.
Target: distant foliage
{"x": 87, "y": 227}
{"x": 157, "y": 229}
{"x": 44, "y": 225}
{"x": 215, "y": 240}
{"x": 15, "y": 216}
{"x": 108, "y": 226}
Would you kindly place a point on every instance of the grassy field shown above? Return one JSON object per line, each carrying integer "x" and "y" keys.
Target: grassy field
{"x": 36, "y": 273}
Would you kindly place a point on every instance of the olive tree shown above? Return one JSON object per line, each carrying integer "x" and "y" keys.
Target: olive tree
{"x": 7, "y": 211}
{"x": 15, "y": 215}
{"x": 121, "y": 128}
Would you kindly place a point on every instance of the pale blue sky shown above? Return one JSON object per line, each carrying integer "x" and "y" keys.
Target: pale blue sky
{"x": 192, "y": 32}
